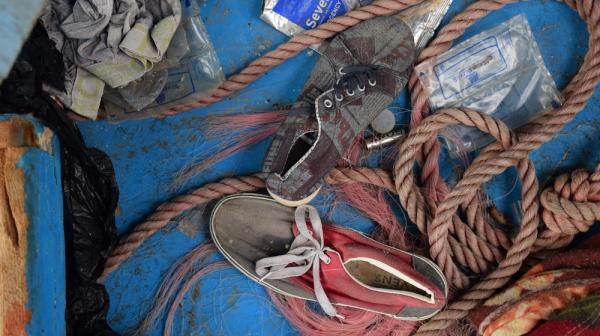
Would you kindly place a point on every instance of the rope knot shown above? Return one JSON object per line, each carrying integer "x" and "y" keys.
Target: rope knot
{"x": 572, "y": 204}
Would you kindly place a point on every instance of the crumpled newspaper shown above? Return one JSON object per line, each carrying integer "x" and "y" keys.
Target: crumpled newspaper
{"x": 109, "y": 42}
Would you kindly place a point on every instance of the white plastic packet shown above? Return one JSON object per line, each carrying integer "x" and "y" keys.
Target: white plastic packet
{"x": 294, "y": 16}
{"x": 500, "y": 72}
{"x": 189, "y": 72}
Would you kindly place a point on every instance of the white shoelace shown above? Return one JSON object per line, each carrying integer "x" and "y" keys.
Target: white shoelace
{"x": 305, "y": 252}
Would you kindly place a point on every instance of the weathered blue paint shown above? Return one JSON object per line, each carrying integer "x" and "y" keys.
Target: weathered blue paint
{"x": 147, "y": 154}
{"x": 45, "y": 261}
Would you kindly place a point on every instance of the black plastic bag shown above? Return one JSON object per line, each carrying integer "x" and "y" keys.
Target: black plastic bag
{"x": 90, "y": 192}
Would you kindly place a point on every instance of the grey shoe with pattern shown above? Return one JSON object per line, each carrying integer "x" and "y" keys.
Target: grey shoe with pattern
{"x": 357, "y": 77}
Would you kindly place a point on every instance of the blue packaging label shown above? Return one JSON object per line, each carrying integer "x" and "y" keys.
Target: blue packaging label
{"x": 308, "y": 14}
{"x": 474, "y": 65}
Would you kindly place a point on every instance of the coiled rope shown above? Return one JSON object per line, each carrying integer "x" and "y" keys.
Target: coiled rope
{"x": 293, "y": 47}
{"x": 571, "y": 206}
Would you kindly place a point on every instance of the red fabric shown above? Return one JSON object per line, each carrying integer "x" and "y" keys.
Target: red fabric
{"x": 558, "y": 296}
{"x": 342, "y": 289}
{"x": 565, "y": 328}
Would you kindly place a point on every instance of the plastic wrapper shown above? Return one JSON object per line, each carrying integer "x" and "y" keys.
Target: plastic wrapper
{"x": 189, "y": 72}
{"x": 424, "y": 19}
{"x": 294, "y": 16}
{"x": 500, "y": 72}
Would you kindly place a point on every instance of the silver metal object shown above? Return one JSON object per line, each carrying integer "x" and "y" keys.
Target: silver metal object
{"x": 386, "y": 140}
{"x": 384, "y": 123}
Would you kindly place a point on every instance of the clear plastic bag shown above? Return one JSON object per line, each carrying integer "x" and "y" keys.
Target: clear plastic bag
{"x": 189, "y": 72}
{"x": 500, "y": 72}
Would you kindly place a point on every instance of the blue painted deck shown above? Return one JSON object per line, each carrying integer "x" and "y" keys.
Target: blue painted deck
{"x": 147, "y": 153}
{"x": 45, "y": 262}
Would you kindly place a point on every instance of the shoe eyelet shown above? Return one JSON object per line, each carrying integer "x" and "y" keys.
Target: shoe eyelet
{"x": 327, "y": 261}
{"x": 362, "y": 88}
{"x": 328, "y": 103}
{"x": 373, "y": 83}
{"x": 341, "y": 71}
{"x": 339, "y": 98}
{"x": 350, "y": 93}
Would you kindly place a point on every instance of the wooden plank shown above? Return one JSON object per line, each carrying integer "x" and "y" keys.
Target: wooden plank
{"x": 31, "y": 238}
{"x": 14, "y": 314}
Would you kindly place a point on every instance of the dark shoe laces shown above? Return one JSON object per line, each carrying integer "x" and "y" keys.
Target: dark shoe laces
{"x": 354, "y": 77}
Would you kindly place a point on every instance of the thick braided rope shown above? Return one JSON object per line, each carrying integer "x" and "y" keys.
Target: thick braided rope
{"x": 165, "y": 213}
{"x": 577, "y": 92}
{"x": 444, "y": 215}
{"x": 169, "y": 210}
{"x": 531, "y": 137}
{"x": 570, "y": 206}
{"x": 212, "y": 191}
{"x": 293, "y": 47}
{"x": 428, "y": 156}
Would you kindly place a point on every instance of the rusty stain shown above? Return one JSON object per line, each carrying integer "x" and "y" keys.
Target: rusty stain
{"x": 553, "y": 173}
{"x": 17, "y": 133}
{"x": 547, "y": 27}
{"x": 15, "y": 320}
{"x": 13, "y": 285}
{"x": 196, "y": 293}
{"x": 117, "y": 318}
{"x": 44, "y": 140}
{"x": 191, "y": 319}
{"x": 498, "y": 216}
{"x": 194, "y": 222}
{"x": 206, "y": 329}
{"x": 233, "y": 297}
{"x": 6, "y": 215}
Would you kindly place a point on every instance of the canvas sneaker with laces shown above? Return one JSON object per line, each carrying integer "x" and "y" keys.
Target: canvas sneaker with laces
{"x": 359, "y": 74}
{"x": 291, "y": 252}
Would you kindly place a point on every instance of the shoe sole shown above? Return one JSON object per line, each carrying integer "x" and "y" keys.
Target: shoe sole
{"x": 294, "y": 204}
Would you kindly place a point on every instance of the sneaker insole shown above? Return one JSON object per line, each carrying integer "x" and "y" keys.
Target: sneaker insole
{"x": 376, "y": 277}
{"x": 299, "y": 148}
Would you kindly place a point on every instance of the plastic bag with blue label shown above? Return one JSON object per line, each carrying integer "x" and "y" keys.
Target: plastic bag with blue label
{"x": 499, "y": 72}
